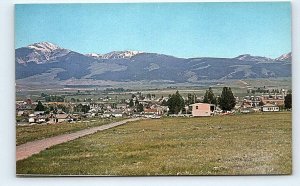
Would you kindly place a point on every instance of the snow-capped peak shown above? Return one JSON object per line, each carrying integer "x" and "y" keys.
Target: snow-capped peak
{"x": 121, "y": 54}
{"x": 285, "y": 57}
{"x": 248, "y": 57}
{"x": 42, "y": 52}
{"x": 44, "y": 46}
{"x": 127, "y": 54}
{"x": 243, "y": 57}
{"x": 94, "y": 55}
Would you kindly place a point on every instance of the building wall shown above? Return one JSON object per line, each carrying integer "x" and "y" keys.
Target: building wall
{"x": 201, "y": 109}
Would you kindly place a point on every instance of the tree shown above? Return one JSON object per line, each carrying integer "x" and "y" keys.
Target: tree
{"x": 85, "y": 108}
{"x": 131, "y": 104}
{"x": 191, "y": 99}
{"x": 288, "y": 101}
{"x": 114, "y": 105}
{"x": 140, "y": 107}
{"x": 136, "y": 103}
{"x": 153, "y": 96}
{"x": 227, "y": 99}
{"x": 148, "y": 96}
{"x": 175, "y": 103}
{"x": 261, "y": 103}
{"x": 78, "y": 108}
{"x": 209, "y": 97}
{"x": 164, "y": 103}
{"x": 40, "y": 107}
{"x": 44, "y": 95}
{"x": 63, "y": 107}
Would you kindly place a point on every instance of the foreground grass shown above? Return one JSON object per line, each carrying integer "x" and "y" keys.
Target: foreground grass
{"x": 221, "y": 145}
{"x": 35, "y": 132}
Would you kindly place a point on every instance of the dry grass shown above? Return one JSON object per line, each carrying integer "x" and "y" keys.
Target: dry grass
{"x": 222, "y": 145}
{"x": 35, "y": 132}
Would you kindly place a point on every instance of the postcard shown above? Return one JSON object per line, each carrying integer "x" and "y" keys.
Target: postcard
{"x": 151, "y": 89}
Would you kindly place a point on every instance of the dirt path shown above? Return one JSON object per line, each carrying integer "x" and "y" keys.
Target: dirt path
{"x": 28, "y": 149}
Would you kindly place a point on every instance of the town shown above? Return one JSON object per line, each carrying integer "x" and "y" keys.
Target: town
{"x": 52, "y": 109}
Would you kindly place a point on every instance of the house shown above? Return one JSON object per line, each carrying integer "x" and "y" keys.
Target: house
{"x": 246, "y": 110}
{"x": 31, "y": 118}
{"x": 253, "y": 101}
{"x": 95, "y": 106}
{"x": 121, "y": 106}
{"x": 273, "y": 99}
{"x": 270, "y": 108}
{"x": 39, "y": 113}
{"x": 58, "y": 118}
{"x": 106, "y": 115}
{"x": 63, "y": 117}
{"x": 20, "y": 113}
{"x": 117, "y": 114}
{"x": 152, "y": 111}
{"x": 202, "y": 109}
{"x": 41, "y": 119}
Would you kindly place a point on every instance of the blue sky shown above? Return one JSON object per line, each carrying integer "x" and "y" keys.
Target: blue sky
{"x": 178, "y": 29}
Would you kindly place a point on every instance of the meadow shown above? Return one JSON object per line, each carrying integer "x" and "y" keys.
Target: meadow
{"x": 250, "y": 144}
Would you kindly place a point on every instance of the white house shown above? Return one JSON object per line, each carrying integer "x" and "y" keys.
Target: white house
{"x": 31, "y": 118}
{"x": 117, "y": 114}
{"x": 106, "y": 115}
{"x": 270, "y": 108}
{"x": 39, "y": 112}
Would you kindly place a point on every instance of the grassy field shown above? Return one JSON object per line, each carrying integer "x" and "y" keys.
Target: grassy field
{"x": 35, "y": 132}
{"x": 222, "y": 145}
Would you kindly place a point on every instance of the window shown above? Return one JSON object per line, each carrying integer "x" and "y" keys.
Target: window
{"x": 196, "y": 107}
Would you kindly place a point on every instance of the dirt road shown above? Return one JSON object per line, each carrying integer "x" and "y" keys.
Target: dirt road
{"x": 28, "y": 149}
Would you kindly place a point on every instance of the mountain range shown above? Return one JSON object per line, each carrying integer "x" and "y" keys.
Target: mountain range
{"x": 47, "y": 59}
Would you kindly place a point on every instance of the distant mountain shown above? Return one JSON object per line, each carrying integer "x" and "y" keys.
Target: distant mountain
{"x": 248, "y": 57}
{"x": 285, "y": 57}
{"x": 42, "y": 57}
{"x": 40, "y": 53}
{"x": 49, "y": 60}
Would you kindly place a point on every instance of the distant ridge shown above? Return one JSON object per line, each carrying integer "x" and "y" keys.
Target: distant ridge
{"x": 48, "y": 59}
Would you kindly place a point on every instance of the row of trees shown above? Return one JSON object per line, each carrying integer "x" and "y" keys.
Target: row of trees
{"x": 54, "y": 109}
{"x": 226, "y": 100}
{"x": 53, "y": 98}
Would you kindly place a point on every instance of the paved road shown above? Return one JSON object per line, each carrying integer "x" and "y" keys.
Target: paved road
{"x": 28, "y": 149}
